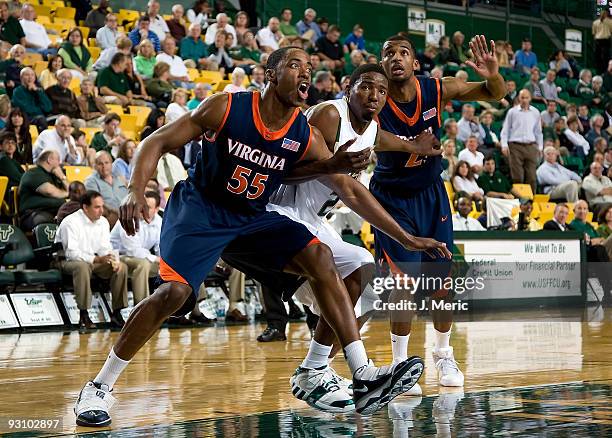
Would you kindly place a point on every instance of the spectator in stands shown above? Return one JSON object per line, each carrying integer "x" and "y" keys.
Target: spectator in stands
{"x": 158, "y": 25}
{"x": 32, "y": 99}
{"x": 177, "y": 25}
{"x": 106, "y": 36}
{"x": 560, "y": 64}
{"x": 192, "y": 48}
{"x": 48, "y": 76}
{"x": 607, "y": 115}
{"x": 596, "y": 252}
{"x": 121, "y": 166}
{"x": 463, "y": 181}
{"x": 523, "y": 219}
{"x": 596, "y": 124}
{"x": 602, "y": 32}
{"x": 63, "y": 100}
{"x": 525, "y": 60}
{"x": 490, "y": 142}
{"x": 178, "y": 72}
{"x": 550, "y": 115}
{"x": 178, "y": 106}
{"x": 458, "y": 51}
{"x": 42, "y": 191}
{"x": 511, "y": 94}
{"x": 113, "y": 189}
{"x": 330, "y": 50}
{"x": 188, "y": 153}
{"x": 159, "y": 88}
{"x": 321, "y": 90}
{"x": 96, "y": 18}
{"x": 469, "y": 125}
{"x": 113, "y": 83}
{"x": 472, "y": 155}
{"x": 248, "y": 55}
{"x": 143, "y": 32}
{"x": 501, "y": 54}
{"x": 75, "y": 54}
{"x": 257, "y": 79}
{"x": 9, "y": 166}
{"x": 307, "y": 26}
{"x": 521, "y": 140}
{"x": 356, "y": 59}
{"x": 579, "y": 146}
{"x": 110, "y": 138}
{"x": 140, "y": 252}
{"x": 289, "y": 31}
{"x": 76, "y": 190}
{"x": 91, "y": 106}
{"x": 549, "y": 88}
{"x": 605, "y": 222}
{"x": 140, "y": 96}
{"x": 533, "y": 86}
{"x": 450, "y": 132}
{"x": 13, "y": 68}
{"x": 607, "y": 78}
{"x": 19, "y": 126}
{"x": 556, "y": 180}
{"x": 123, "y": 45}
{"x": 269, "y": 37}
{"x": 344, "y": 83}
{"x": 559, "y": 220}
{"x": 599, "y": 93}
{"x": 443, "y": 56}
{"x": 583, "y": 118}
{"x": 5, "y": 108}
{"x": 597, "y": 188}
{"x": 219, "y": 56}
{"x": 170, "y": 171}
{"x": 449, "y": 156}
{"x": 60, "y": 140}
{"x": 81, "y": 143}
{"x": 145, "y": 61}
{"x": 238, "y": 76}
{"x": 461, "y": 219}
{"x": 317, "y": 65}
{"x": 85, "y": 236}
{"x": 426, "y": 60}
{"x": 199, "y": 13}
{"x": 221, "y": 24}
{"x": 155, "y": 120}
{"x": 10, "y": 28}
{"x": 355, "y": 40}
{"x": 200, "y": 91}
{"x": 494, "y": 183}
{"x": 584, "y": 90}
{"x": 36, "y": 38}
{"x": 241, "y": 24}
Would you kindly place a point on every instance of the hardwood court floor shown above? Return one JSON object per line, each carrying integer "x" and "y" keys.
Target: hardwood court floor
{"x": 525, "y": 376}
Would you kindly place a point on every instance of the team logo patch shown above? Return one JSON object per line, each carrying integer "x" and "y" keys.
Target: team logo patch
{"x": 292, "y": 145}
{"x": 430, "y": 114}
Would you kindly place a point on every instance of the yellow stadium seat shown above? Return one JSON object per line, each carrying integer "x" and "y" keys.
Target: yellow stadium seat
{"x": 30, "y": 58}
{"x": 193, "y": 74}
{"x": 130, "y": 135}
{"x": 590, "y": 217}
{"x": 141, "y": 113}
{"x": 129, "y": 122}
{"x": 367, "y": 236}
{"x": 85, "y": 31}
{"x": 211, "y": 77}
{"x": 42, "y": 9}
{"x": 570, "y": 205}
{"x": 3, "y": 186}
{"x": 33, "y": 133}
{"x": 77, "y": 173}
{"x": 65, "y": 12}
{"x": 113, "y": 108}
{"x": 94, "y": 52}
{"x": 535, "y": 211}
{"x": 66, "y": 23}
{"x": 91, "y": 42}
{"x": 541, "y": 198}
{"x": 53, "y": 3}
{"x": 545, "y": 217}
{"x": 221, "y": 85}
{"x": 75, "y": 86}
{"x": 43, "y": 19}
{"x": 127, "y": 15}
{"x": 89, "y": 133}
{"x": 524, "y": 190}
{"x": 39, "y": 66}
{"x": 547, "y": 207}
{"x": 59, "y": 29}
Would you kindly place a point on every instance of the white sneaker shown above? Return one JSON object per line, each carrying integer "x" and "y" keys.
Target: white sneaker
{"x": 374, "y": 387}
{"x": 319, "y": 388}
{"x": 93, "y": 404}
{"x": 448, "y": 370}
{"x": 343, "y": 382}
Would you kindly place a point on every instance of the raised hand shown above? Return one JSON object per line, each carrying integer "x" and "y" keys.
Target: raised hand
{"x": 485, "y": 63}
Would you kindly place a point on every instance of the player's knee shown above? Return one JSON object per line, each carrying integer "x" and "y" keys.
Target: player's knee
{"x": 320, "y": 261}
{"x": 173, "y": 296}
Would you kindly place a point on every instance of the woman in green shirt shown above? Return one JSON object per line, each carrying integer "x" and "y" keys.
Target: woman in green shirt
{"x": 605, "y": 222}
{"x": 9, "y": 167}
{"x": 145, "y": 61}
{"x": 160, "y": 88}
{"x": 75, "y": 55}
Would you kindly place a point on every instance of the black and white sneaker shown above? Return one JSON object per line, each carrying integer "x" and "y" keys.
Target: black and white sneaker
{"x": 374, "y": 387}
{"x": 93, "y": 404}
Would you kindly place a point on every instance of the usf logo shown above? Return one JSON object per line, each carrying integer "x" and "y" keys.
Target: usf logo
{"x": 32, "y": 301}
{"x": 50, "y": 233}
{"x": 6, "y": 233}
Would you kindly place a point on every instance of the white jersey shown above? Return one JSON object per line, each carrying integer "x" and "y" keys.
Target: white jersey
{"x": 303, "y": 202}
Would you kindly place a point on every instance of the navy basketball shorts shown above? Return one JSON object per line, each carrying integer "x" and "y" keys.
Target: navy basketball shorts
{"x": 423, "y": 214}
{"x": 196, "y": 231}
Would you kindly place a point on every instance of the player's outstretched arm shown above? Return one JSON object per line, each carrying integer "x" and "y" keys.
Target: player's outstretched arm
{"x": 208, "y": 116}
{"x": 359, "y": 199}
{"x": 486, "y": 65}
{"x": 425, "y": 144}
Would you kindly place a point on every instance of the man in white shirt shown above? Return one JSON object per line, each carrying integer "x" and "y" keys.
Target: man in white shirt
{"x": 170, "y": 170}
{"x": 85, "y": 237}
{"x": 60, "y": 140}
{"x": 140, "y": 252}
{"x": 178, "y": 72}
{"x": 522, "y": 140}
{"x": 556, "y": 180}
{"x": 472, "y": 155}
{"x": 221, "y": 24}
{"x": 461, "y": 219}
{"x": 36, "y": 36}
{"x": 597, "y": 188}
{"x": 158, "y": 24}
{"x": 269, "y": 37}
{"x": 581, "y": 145}
{"x": 106, "y": 36}
{"x": 469, "y": 125}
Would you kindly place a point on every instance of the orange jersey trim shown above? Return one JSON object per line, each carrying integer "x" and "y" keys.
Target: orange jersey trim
{"x": 308, "y": 145}
{"x": 261, "y": 127}
{"x": 314, "y": 241}
{"x": 395, "y": 270}
{"x": 439, "y": 105}
{"x": 227, "y": 111}
{"x": 169, "y": 274}
{"x": 417, "y": 112}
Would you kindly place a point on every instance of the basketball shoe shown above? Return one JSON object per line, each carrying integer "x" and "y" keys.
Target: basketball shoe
{"x": 374, "y": 387}
{"x": 93, "y": 404}
{"x": 449, "y": 373}
{"x": 343, "y": 382}
{"x": 319, "y": 388}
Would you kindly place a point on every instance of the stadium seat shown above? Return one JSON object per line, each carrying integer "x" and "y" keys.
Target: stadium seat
{"x": 141, "y": 113}
{"x": 524, "y": 190}
{"x": 91, "y": 42}
{"x": 129, "y": 122}
{"x": 65, "y": 12}
{"x": 545, "y": 217}
{"x": 211, "y": 77}
{"x": 43, "y": 10}
{"x": 77, "y": 173}
{"x": 221, "y": 85}
{"x": 94, "y": 51}
{"x": 39, "y": 66}
{"x": 547, "y": 207}
{"x": 127, "y": 15}
{"x": 193, "y": 74}
{"x": 33, "y": 133}
{"x": 43, "y": 19}
{"x": 113, "y": 108}
{"x": 367, "y": 236}
{"x": 44, "y": 244}
{"x": 75, "y": 86}
{"x": 3, "y": 186}
{"x": 89, "y": 133}
{"x": 31, "y": 58}
{"x": 66, "y": 23}
{"x": 14, "y": 207}
{"x": 539, "y": 198}
{"x": 85, "y": 31}
{"x": 53, "y": 3}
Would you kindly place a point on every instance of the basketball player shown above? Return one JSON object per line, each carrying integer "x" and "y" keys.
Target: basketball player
{"x": 409, "y": 186}
{"x": 258, "y": 140}
{"x": 340, "y": 121}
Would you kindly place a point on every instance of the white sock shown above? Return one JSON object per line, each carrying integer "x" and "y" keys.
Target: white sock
{"x": 399, "y": 346}
{"x": 442, "y": 339}
{"x": 355, "y": 355}
{"x": 318, "y": 355}
{"x": 111, "y": 370}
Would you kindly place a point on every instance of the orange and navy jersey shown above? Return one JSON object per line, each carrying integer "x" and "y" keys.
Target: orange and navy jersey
{"x": 400, "y": 170}
{"x": 245, "y": 162}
